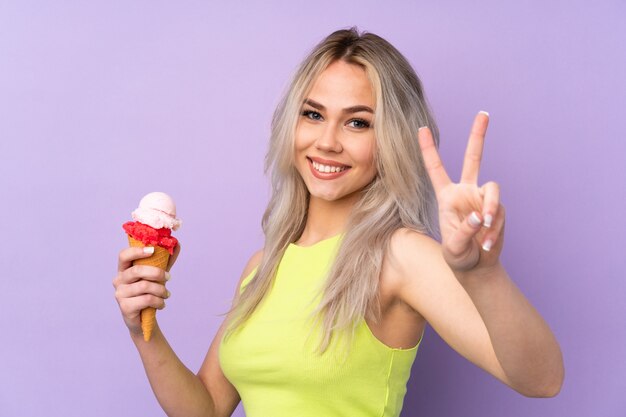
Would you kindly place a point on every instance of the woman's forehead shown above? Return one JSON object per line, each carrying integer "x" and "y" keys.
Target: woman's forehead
{"x": 342, "y": 85}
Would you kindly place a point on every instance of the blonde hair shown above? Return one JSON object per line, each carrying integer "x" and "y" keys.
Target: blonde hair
{"x": 400, "y": 195}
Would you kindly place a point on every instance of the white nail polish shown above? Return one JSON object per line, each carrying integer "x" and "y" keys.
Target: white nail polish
{"x": 484, "y": 112}
{"x": 488, "y": 220}
{"x": 487, "y": 245}
{"x": 474, "y": 220}
{"x": 148, "y": 249}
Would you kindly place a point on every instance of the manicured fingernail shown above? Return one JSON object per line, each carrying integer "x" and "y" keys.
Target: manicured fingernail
{"x": 423, "y": 127}
{"x": 148, "y": 249}
{"x": 168, "y": 294}
{"x": 474, "y": 220}
{"x": 167, "y": 276}
{"x": 487, "y": 245}
{"x": 488, "y": 220}
{"x": 484, "y": 112}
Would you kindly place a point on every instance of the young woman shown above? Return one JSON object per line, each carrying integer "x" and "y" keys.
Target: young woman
{"x": 328, "y": 316}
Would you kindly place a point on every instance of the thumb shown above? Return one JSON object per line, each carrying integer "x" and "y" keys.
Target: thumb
{"x": 461, "y": 240}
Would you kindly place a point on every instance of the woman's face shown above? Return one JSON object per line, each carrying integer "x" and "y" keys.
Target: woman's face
{"x": 335, "y": 142}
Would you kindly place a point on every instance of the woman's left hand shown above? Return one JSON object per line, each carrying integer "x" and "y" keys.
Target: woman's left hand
{"x": 471, "y": 218}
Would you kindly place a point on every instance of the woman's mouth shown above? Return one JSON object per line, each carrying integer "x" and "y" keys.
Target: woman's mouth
{"x": 327, "y": 168}
{"x": 327, "y": 172}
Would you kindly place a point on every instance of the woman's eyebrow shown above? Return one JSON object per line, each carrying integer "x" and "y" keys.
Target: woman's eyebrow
{"x": 352, "y": 109}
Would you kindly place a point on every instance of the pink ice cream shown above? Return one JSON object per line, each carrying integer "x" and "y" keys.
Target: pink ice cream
{"x": 157, "y": 210}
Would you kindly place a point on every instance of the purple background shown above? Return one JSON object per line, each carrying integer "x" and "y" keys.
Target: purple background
{"x": 93, "y": 96}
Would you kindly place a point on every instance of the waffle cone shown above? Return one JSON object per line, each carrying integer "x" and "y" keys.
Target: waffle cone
{"x": 159, "y": 258}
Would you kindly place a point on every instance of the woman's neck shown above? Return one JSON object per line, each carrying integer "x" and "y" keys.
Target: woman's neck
{"x": 326, "y": 219}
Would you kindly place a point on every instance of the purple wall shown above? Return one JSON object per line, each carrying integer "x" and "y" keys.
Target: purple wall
{"x": 93, "y": 96}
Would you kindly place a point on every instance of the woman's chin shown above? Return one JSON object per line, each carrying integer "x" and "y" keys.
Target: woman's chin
{"x": 334, "y": 196}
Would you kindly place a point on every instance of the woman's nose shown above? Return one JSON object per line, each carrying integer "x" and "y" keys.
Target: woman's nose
{"x": 329, "y": 139}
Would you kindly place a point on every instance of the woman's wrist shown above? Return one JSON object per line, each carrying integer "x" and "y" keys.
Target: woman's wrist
{"x": 137, "y": 334}
{"x": 480, "y": 274}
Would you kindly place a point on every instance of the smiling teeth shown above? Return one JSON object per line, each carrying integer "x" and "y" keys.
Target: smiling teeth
{"x": 327, "y": 168}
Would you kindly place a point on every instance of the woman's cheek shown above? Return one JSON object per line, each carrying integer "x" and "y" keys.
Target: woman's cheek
{"x": 306, "y": 134}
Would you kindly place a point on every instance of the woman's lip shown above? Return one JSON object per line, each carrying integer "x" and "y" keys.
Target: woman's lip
{"x": 327, "y": 162}
{"x": 326, "y": 175}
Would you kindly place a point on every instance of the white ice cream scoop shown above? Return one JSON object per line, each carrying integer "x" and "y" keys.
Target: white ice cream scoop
{"x": 157, "y": 210}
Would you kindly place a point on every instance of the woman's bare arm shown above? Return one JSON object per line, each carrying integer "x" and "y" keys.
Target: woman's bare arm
{"x": 178, "y": 390}
{"x": 486, "y": 319}
{"x": 461, "y": 287}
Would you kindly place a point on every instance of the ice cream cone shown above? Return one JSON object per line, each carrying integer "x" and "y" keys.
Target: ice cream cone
{"x": 159, "y": 258}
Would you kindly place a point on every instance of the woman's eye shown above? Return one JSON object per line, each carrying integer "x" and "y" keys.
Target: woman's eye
{"x": 313, "y": 115}
{"x": 359, "y": 123}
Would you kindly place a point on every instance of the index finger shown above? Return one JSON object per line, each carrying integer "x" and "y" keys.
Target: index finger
{"x": 434, "y": 166}
{"x": 474, "y": 150}
{"x": 128, "y": 255}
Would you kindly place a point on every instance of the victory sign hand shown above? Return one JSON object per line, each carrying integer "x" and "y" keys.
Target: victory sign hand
{"x": 471, "y": 218}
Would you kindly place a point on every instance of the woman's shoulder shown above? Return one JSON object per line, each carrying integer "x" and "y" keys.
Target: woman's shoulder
{"x": 408, "y": 257}
{"x": 407, "y": 243}
{"x": 252, "y": 264}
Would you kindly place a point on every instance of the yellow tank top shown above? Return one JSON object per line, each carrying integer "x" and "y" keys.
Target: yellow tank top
{"x": 273, "y": 364}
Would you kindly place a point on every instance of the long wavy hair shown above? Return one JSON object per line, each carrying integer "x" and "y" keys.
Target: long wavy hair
{"x": 400, "y": 195}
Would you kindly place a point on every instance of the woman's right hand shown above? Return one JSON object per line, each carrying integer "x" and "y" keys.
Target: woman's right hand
{"x": 139, "y": 286}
